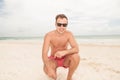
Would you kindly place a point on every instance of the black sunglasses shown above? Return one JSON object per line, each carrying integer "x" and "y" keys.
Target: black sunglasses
{"x": 60, "y": 24}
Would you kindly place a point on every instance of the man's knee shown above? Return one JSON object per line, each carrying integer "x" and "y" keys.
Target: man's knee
{"x": 75, "y": 57}
{"x": 52, "y": 75}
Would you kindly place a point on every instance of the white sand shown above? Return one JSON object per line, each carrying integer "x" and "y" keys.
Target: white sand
{"x": 21, "y": 60}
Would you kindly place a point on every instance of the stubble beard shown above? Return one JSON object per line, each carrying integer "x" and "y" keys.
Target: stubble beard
{"x": 61, "y": 32}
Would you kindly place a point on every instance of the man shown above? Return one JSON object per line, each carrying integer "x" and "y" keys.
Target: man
{"x": 61, "y": 56}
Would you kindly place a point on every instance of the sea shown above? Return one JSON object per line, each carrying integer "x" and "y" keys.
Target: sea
{"x": 97, "y": 39}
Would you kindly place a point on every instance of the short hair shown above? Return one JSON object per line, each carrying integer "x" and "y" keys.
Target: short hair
{"x": 61, "y": 16}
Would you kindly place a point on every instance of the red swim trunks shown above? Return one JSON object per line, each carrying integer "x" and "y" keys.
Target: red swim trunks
{"x": 59, "y": 61}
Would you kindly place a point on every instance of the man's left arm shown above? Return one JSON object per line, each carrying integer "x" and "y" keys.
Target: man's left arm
{"x": 74, "y": 46}
{"x": 73, "y": 50}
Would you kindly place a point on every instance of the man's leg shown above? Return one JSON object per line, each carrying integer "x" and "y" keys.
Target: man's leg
{"x": 72, "y": 61}
{"x": 51, "y": 69}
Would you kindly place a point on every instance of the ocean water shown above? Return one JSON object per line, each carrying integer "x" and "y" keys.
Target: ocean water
{"x": 97, "y": 39}
{"x": 20, "y": 38}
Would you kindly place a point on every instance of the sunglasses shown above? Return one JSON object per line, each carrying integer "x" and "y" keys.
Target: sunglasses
{"x": 60, "y": 24}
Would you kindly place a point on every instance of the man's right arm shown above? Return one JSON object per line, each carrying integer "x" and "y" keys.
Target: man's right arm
{"x": 45, "y": 49}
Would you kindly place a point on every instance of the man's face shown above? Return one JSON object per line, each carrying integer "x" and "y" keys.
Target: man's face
{"x": 61, "y": 25}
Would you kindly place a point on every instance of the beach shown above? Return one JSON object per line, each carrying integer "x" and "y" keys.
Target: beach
{"x": 21, "y": 60}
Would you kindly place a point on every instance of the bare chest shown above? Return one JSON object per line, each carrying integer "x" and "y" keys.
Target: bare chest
{"x": 59, "y": 41}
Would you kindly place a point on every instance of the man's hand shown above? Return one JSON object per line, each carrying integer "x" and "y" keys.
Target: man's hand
{"x": 60, "y": 54}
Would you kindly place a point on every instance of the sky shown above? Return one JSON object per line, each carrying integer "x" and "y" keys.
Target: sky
{"x": 37, "y": 17}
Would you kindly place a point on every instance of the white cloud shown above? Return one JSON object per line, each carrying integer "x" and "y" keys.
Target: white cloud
{"x": 36, "y": 17}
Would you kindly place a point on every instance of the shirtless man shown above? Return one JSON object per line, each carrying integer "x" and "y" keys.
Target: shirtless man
{"x": 61, "y": 55}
